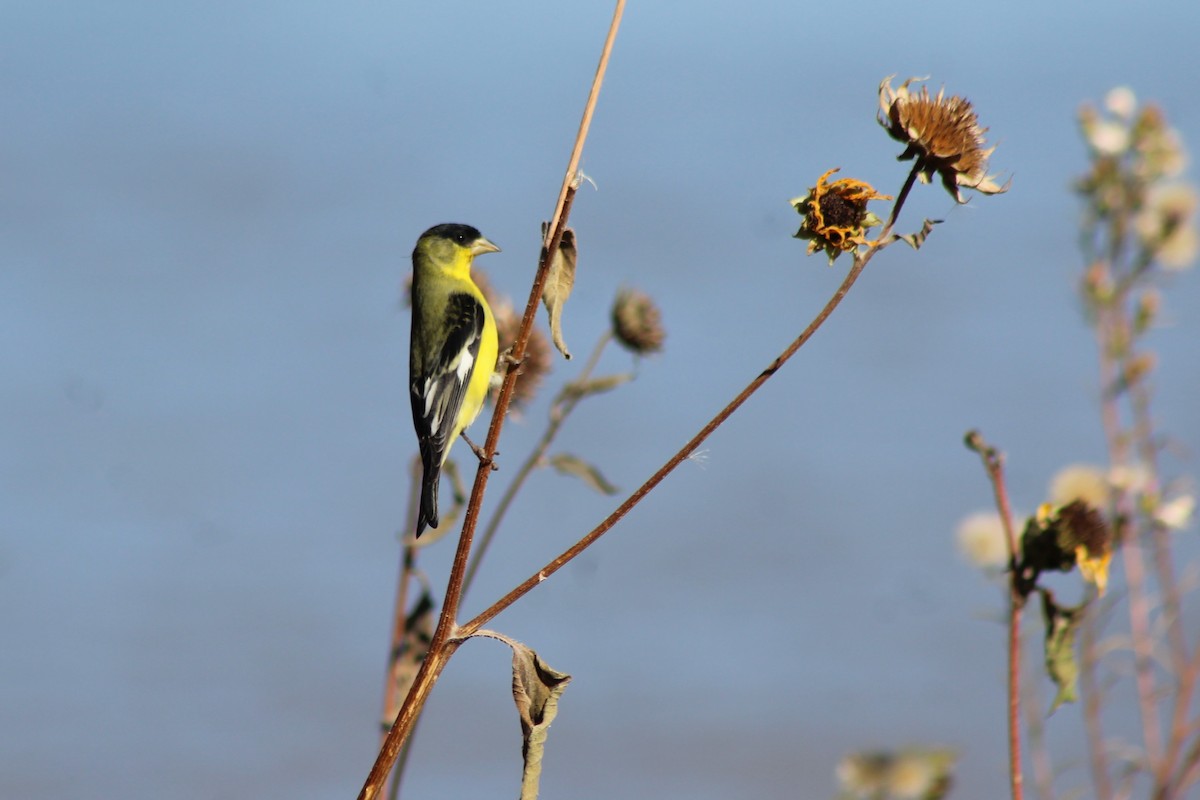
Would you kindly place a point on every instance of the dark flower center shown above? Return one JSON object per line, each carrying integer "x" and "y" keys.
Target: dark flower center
{"x": 839, "y": 212}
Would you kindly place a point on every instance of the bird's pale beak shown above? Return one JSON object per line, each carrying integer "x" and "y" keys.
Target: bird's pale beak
{"x": 481, "y": 246}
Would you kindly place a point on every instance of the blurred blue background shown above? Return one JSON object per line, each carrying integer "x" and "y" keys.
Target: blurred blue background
{"x": 206, "y": 215}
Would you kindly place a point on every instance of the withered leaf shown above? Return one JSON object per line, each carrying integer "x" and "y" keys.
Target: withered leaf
{"x": 568, "y": 464}
{"x": 536, "y": 689}
{"x": 1062, "y": 622}
{"x": 560, "y": 279}
{"x": 605, "y": 383}
{"x": 915, "y": 240}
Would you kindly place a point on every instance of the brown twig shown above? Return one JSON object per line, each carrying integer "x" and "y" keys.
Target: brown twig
{"x": 993, "y": 463}
{"x": 1131, "y": 553}
{"x": 391, "y": 705}
{"x": 445, "y": 642}
{"x": 1089, "y": 662}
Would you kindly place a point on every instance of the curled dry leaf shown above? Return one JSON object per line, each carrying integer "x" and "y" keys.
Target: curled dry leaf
{"x": 536, "y": 689}
{"x": 560, "y": 280}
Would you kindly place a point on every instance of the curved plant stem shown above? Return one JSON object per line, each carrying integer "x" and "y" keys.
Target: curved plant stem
{"x": 860, "y": 262}
{"x": 1089, "y": 664}
{"x": 666, "y": 469}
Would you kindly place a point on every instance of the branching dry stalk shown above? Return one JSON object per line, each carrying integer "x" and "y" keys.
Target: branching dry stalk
{"x": 1122, "y": 251}
{"x": 449, "y": 635}
{"x": 445, "y": 642}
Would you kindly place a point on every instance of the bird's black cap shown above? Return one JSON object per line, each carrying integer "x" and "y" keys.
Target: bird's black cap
{"x": 454, "y": 231}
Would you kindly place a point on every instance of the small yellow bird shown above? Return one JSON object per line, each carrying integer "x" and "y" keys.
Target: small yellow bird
{"x": 453, "y": 350}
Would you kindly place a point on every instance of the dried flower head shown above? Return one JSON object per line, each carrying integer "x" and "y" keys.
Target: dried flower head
{"x": 1166, "y": 224}
{"x": 836, "y": 218}
{"x": 537, "y": 359}
{"x": 1061, "y": 538}
{"x": 1085, "y": 528}
{"x": 637, "y": 322}
{"x": 942, "y": 134}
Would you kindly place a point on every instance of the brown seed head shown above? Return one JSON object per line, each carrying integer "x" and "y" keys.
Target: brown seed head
{"x": 637, "y": 322}
{"x": 942, "y": 134}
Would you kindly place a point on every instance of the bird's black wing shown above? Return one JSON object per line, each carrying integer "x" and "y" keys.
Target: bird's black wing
{"x": 437, "y": 393}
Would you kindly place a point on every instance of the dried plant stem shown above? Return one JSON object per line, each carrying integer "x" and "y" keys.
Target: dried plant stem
{"x": 1183, "y": 664}
{"x": 1089, "y": 661}
{"x": 1131, "y": 553}
{"x": 1160, "y": 538}
{"x": 1035, "y": 725}
{"x": 684, "y": 452}
{"x": 993, "y": 463}
{"x": 445, "y": 642}
{"x": 391, "y": 704}
{"x": 1170, "y": 780}
{"x": 666, "y": 469}
{"x": 561, "y": 407}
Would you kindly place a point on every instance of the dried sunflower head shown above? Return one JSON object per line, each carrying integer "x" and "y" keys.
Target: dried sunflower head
{"x": 1064, "y": 537}
{"x": 942, "y": 134}
{"x": 835, "y": 214}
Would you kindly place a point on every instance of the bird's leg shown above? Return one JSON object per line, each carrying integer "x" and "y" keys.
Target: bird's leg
{"x": 507, "y": 357}
{"x": 479, "y": 453}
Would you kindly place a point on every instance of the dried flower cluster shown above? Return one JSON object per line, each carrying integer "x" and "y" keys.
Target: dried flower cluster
{"x": 942, "y": 134}
{"x": 836, "y": 218}
{"x": 1137, "y": 159}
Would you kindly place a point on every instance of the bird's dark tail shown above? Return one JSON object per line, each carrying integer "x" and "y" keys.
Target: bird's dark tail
{"x": 428, "y": 514}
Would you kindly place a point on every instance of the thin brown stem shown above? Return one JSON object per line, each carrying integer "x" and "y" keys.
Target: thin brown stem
{"x": 1107, "y": 326}
{"x": 562, "y": 406}
{"x": 445, "y": 642}
{"x": 391, "y": 703}
{"x": 993, "y": 462}
{"x": 1092, "y": 705}
{"x": 1036, "y": 745}
{"x": 555, "y": 564}
{"x": 666, "y": 469}
{"x": 1173, "y": 778}
{"x": 1015, "y": 774}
